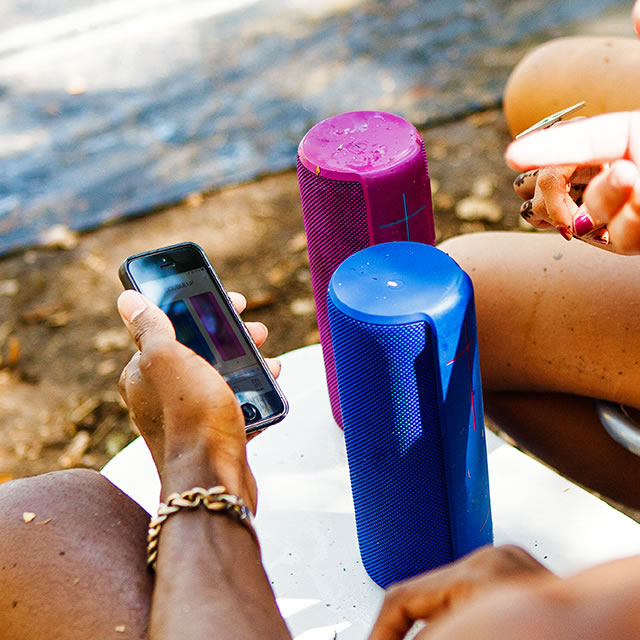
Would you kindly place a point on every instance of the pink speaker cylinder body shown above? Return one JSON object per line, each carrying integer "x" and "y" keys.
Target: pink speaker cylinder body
{"x": 363, "y": 180}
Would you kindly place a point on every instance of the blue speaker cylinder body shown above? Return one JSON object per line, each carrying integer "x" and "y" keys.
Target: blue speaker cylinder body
{"x": 403, "y": 327}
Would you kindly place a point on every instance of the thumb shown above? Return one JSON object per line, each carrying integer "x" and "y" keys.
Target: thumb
{"x": 145, "y": 322}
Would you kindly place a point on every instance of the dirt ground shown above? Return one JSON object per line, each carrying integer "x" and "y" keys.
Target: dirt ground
{"x": 62, "y": 344}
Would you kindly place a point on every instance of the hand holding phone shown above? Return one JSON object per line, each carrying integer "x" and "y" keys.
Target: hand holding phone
{"x": 182, "y": 282}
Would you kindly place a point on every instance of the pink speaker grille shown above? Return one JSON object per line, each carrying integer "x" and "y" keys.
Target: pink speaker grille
{"x": 335, "y": 221}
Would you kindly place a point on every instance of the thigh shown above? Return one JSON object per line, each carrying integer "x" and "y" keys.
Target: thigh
{"x": 554, "y": 316}
{"x": 72, "y": 559}
{"x": 601, "y": 71}
{"x": 566, "y": 433}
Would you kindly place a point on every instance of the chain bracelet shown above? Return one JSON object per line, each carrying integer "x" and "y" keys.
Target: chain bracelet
{"x": 216, "y": 499}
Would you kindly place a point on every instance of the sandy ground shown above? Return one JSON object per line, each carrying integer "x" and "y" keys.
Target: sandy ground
{"x": 62, "y": 344}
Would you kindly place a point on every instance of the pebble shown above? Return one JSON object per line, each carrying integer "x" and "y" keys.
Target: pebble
{"x": 475, "y": 208}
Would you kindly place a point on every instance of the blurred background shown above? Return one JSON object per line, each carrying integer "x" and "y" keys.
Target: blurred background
{"x": 128, "y": 126}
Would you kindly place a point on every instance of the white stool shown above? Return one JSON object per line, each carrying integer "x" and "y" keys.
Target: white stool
{"x": 306, "y": 523}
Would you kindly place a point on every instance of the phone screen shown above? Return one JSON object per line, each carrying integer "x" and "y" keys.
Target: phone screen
{"x": 179, "y": 281}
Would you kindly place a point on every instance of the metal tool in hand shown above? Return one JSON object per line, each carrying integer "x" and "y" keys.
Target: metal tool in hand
{"x": 552, "y": 119}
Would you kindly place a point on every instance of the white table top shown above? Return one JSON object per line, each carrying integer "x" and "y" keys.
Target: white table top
{"x": 306, "y": 523}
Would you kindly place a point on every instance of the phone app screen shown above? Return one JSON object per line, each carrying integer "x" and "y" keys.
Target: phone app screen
{"x": 203, "y": 323}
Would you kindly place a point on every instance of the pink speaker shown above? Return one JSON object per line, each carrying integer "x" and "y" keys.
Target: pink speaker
{"x": 363, "y": 180}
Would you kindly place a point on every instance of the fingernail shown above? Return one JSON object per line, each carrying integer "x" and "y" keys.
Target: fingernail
{"x": 131, "y": 304}
{"x": 583, "y": 224}
{"x": 601, "y": 236}
{"x": 565, "y": 232}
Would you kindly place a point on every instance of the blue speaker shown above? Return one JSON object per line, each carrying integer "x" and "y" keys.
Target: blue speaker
{"x": 403, "y": 327}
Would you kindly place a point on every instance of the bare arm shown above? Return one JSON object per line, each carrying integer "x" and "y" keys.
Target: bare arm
{"x": 502, "y": 593}
{"x": 210, "y": 580}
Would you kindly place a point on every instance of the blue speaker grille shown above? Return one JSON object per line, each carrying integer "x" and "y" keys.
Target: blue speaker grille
{"x": 390, "y": 409}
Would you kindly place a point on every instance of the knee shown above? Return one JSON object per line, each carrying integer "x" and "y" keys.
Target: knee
{"x": 465, "y": 249}
{"x": 76, "y": 498}
{"x": 78, "y": 486}
{"x": 59, "y": 533}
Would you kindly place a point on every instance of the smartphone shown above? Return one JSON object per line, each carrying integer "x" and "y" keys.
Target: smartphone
{"x": 182, "y": 282}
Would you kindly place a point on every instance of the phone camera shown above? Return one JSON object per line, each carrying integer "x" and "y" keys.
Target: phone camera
{"x": 250, "y": 413}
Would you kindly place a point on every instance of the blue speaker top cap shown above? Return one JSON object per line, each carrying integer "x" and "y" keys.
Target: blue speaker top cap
{"x": 399, "y": 282}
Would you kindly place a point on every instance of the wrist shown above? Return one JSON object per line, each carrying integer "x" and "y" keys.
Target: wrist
{"x": 196, "y": 466}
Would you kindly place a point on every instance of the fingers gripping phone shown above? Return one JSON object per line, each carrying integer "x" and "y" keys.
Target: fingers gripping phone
{"x": 182, "y": 282}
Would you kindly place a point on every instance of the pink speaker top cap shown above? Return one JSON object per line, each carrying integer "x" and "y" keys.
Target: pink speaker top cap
{"x": 361, "y": 142}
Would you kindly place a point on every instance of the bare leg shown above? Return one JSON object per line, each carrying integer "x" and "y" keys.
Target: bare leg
{"x": 553, "y": 76}
{"x": 559, "y": 317}
{"x": 566, "y": 433}
{"x": 554, "y": 315}
{"x": 77, "y": 570}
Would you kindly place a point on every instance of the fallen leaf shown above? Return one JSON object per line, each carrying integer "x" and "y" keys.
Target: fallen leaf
{"x": 41, "y": 313}
{"x": 72, "y": 455}
{"x": 259, "y": 300}
{"x": 120, "y": 628}
{"x": 59, "y": 319}
{"x": 13, "y": 351}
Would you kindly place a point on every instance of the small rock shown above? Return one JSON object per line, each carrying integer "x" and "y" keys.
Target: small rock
{"x": 28, "y": 516}
{"x": 474, "y": 208}
{"x": 483, "y": 118}
{"x": 194, "y": 200}
{"x": 111, "y": 340}
{"x": 60, "y": 237}
{"x": 443, "y": 201}
{"x": 9, "y": 288}
{"x": 95, "y": 263}
{"x": 114, "y": 443}
{"x": 106, "y": 367}
{"x": 298, "y": 242}
{"x": 302, "y": 307}
{"x": 277, "y": 276}
{"x": 483, "y": 187}
{"x": 312, "y": 337}
{"x": 76, "y": 86}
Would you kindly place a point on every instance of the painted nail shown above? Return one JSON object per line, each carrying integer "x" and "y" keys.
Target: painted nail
{"x": 583, "y": 224}
{"x": 565, "y": 232}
